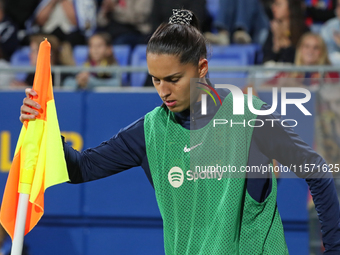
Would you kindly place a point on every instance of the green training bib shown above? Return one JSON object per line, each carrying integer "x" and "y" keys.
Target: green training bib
{"x": 201, "y": 190}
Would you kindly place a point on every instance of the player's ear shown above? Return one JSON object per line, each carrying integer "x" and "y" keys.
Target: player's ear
{"x": 203, "y": 67}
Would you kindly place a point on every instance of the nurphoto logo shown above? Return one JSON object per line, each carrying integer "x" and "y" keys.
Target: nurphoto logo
{"x": 238, "y": 103}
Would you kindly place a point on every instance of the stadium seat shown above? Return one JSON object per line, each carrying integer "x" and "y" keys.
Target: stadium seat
{"x": 80, "y": 53}
{"x": 254, "y": 52}
{"x": 121, "y": 53}
{"x": 21, "y": 57}
{"x": 228, "y": 56}
{"x": 138, "y": 58}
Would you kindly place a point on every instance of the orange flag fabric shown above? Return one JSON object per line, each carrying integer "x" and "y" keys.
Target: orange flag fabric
{"x": 38, "y": 161}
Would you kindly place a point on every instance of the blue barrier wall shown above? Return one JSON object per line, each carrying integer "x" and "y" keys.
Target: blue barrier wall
{"x": 119, "y": 214}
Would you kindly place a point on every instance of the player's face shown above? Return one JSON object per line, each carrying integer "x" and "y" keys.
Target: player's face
{"x": 172, "y": 80}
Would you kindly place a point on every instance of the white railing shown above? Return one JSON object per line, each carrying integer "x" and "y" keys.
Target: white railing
{"x": 119, "y": 70}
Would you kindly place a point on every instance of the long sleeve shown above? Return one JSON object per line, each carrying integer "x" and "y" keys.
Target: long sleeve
{"x": 284, "y": 145}
{"x": 123, "y": 151}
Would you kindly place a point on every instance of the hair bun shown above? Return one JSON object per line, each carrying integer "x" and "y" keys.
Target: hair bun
{"x": 183, "y": 17}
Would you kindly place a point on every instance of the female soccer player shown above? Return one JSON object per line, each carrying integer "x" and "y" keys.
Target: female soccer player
{"x": 214, "y": 211}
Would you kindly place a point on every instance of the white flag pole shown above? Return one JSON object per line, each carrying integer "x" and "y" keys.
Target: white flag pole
{"x": 19, "y": 230}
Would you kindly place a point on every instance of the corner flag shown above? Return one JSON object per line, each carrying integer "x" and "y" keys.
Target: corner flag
{"x": 38, "y": 161}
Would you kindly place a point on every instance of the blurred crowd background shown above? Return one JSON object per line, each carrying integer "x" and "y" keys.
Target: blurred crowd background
{"x": 108, "y": 33}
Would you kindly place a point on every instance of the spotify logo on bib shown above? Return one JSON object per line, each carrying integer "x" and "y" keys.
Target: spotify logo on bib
{"x": 176, "y": 177}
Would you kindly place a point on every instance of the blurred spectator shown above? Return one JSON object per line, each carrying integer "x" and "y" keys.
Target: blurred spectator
{"x": 311, "y": 50}
{"x": 241, "y": 21}
{"x": 287, "y": 27}
{"x": 35, "y": 41}
{"x": 127, "y": 21}
{"x": 70, "y": 20}
{"x": 100, "y": 54}
{"x": 19, "y": 11}
{"x": 8, "y": 44}
{"x": 162, "y": 10}
{"x": 330, "y": 32}
{"x": 8, "y": 34}
{"x": 319, "y": 11}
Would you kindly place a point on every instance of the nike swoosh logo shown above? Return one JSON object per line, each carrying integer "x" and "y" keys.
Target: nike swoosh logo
{"x": 186, "y": 149}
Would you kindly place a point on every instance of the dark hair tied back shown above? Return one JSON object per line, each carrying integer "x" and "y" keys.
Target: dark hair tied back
{"x": 179, "y": 37}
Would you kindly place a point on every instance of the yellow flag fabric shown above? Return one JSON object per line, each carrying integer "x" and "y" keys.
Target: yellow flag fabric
{"x": 38, "y": 161}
